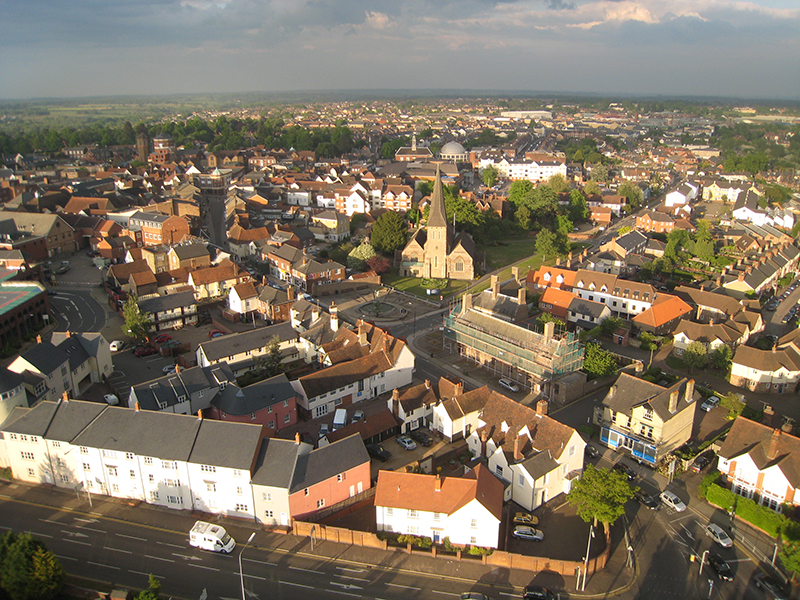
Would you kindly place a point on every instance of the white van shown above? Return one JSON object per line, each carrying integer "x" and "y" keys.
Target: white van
{"x": 214, "y": 538}
{"x": 339, "y": 418}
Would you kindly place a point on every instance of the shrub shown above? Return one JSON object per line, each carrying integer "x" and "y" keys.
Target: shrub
{"x": 587, "y": 429}
{"x": 479, "y": 551}
{"x": 707, "y": 481}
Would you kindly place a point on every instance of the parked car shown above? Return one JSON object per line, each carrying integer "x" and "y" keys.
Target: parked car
{"x": 625, "y": 470}
{"x": 421, "y": 436}
{"x": 357, "y": 416}
{"x": 719, "y": 535}
{"x": 116, "y": 346}
{"x": 52, "y": 292}
{"x": 406, "y": 442}
{"x": 145, "y": 351}
{"x": 710, "y": 404}
{"x": 523, "y": 518}
{"x": 673, "y": 501}
{"x": 215, "y": 333}
{"x": 590, "y": 451}
{"x": 700, "y": 463}
{"x": 537, "y": 592}
{"x": 377, "y": 451}
{"x": 474, "y": 596}
{"x": 509, "y": 385}
{"x": 324, "y": 429}
{"x": 772, "y": 587}
{"x": 164, "y": 337}
{"x": 646, "y": 499}
{"x": 111, "y": 399}
{"x": 523, "y": 532}
{"x": 720, "y": 567}
{"x": 62, "y": 269}
{"x": 169, "y": 369}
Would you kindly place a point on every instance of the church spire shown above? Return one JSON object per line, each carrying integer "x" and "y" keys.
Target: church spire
{"x": 437, "y": 217}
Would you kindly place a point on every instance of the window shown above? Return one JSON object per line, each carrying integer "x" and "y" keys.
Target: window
{"x": 286, "y": 403}
{"x": 390, "y": 512}
{"x": 320, "y": 502}
{"x": 572, "y": 450}
{"x": 211, "y": 487}
{"x": 437, "y": 516}
{"x": 305, "y": 492}
{"x": 112, "y": 471}
{"x": 31, "y": 472}
{"x": 12, "y": 436}
{"x": 153, "y": 495}
{"x": 151, "y": 478}
{"x": 169, "y": 464}
{"x": 133, "y": 474}
{"x": 473, "y": 540}
{"x": 269, "y": 409}
{"x": 87, "y": 467}
{"x": 239, "y": 491}
{"x": 252, "y": 416}
{"x": 84, "y": 450}
{"x": 114, "y": 487}
{"x": 267, "y": 497}
{"x": 129, "y": 456}
{"x": 413, "y": 514}
{"x": 287, "y": 417}
{"x": 241, "y": 508}
{"x": 34, "y": 439}
{"x": 498, "y": 470}
{"x": 237, "y": 473}
{"x": 208, "y": 469}
{"x": 473, "y": 524}
{"x": 648, "y": 414}
{"x": 413, "y": 530}
{"x": 64, "y": 478}
{"x": 174, "y": 500}
{"x": 109, "y": 453}
{"x": 148, "y": 461}
{"x": 27, "y": 456}
{"x": 521, "y": 480}
{"x": 269, "y": 514}
{"x": 271, "y": 424}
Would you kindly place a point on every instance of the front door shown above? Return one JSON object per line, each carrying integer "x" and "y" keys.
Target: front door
{"x": 284, "y": 519}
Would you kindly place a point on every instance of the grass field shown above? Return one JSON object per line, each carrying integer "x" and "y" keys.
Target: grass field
{"x": 510, "y": 252}
{"x": 412, "y": 285}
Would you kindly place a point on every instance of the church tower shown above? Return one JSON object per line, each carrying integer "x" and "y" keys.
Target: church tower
{"x": 439, "y": 234}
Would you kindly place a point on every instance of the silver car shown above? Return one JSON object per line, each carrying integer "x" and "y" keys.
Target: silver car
{"x": 719, "y": 535}
{"x": 523, "y": 532}
{"x": 671, "y": 500}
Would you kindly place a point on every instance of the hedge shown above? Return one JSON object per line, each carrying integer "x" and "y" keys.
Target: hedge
{"x": 747, "y": 510}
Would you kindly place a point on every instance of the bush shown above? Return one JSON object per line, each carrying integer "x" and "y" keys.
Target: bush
{"x": 479, "y": 551}
{"x": 747, "y": 510}
{"x": 707, "y": 481}
{"x": 586, "y": 429}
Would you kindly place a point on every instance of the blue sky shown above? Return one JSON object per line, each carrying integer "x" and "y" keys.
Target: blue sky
{"x": 747, "y": 49}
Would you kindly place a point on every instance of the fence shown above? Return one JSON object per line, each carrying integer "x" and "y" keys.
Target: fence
{"x": 345, "y": 507}
{"x": 340, "y": 535}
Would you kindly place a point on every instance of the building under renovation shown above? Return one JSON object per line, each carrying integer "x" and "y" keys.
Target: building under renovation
{"x": 546, "y": 362}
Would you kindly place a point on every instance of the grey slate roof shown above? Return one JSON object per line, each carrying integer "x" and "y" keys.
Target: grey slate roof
{"x": 629, "y": 391}
{"x": 168, "y": 388}
{"x": 187, "y": 251}
{"x": 237, "y": 343}
{"x": 160, "y": 304}
{"x": 328, "y": 461}
{"x": 540, "y": 464}
{"x": 45, "y": 357}
{"x": 276, "y": 462}
{"x": 253, "y": 398}
{"x": 75, "y": 350}
{"x": 9, "y": 380}
{"x": 587, "y": 307}
{"x": 226, "y": 444}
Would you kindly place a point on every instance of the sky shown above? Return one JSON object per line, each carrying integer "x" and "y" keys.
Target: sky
{"x": 721, "y": 48}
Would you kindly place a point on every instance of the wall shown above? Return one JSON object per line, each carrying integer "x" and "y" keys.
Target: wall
{"x": 344, "y": 287}
{"x": 337, "y": 534}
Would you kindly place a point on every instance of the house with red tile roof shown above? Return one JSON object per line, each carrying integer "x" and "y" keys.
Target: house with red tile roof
{"x": 467, "y": 510}
{"x": 663, "y": 316}
{"x": 550, "y": 277}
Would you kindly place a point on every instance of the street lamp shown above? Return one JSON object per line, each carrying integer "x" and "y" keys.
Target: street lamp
{"x": 241, "y": 574}
{"x": 586, "y": 560}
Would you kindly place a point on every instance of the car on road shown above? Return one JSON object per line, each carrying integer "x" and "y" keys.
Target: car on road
{"x": 215, "y": 333}
{"x": 62, "y": 269}
{"x": 672, "y": 501}
{"x": 625, "y": 470}
{"x": 772, "y": 587}
{"x": 111, "y": 399}
{"x": 164, "y": 337}
{"x": 522, "y": 532}
{"x": 406, "y": 442}
{"x": 52, "y": 293}
{"x": 590, "y": 451}
{"x": 720, "y": 567}
{"x": 710, "y": 404}
{"x": 700, "y": 463}
{"x": 116, "y": 346}
{"x": 719, "y": 535}
{"x": 474, "y": 596}
{"x": 508, "y": 384}
{"x": 646, "y": 499}
{"x": 422, "y": 437}
{"x": 377, "y": 451}
{"x": 537, "y": 592}
{"x": 523, "y": 518}
{"x": 145, "y": 351}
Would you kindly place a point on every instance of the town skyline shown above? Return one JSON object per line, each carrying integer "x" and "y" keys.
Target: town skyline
{"x": 646, "y": 48}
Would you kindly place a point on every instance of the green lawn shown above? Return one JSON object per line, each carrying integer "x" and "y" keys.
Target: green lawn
{"x": 510, "y": 252}
{"x": 413, "y": 285}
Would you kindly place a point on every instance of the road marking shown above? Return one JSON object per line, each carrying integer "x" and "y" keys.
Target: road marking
{"x": 504, "y": 594}
{"x": 260, "y": 562}
{"x": 117, "y": 550}
{"x": 66, "y": 557}
{"x": 253, "y": 576}
{"x": 407, "y": 587}
{"x": 171, "y": 545}
{"x": 88, "y": 562}
{"x": 131, "y": 537}
{"x": 350, "y": 577}
{"x": 77, "y": 542}
{"x": 85, "y": 520}
{"x": 457, "y": 595}
{"x": 306, "y": 570}
{"x": 344, "y": 593}
{"x": 308, "y": 587}
{"x": 352, "y": 570}
{"x": 51, "y": 521}
{"x": 91, "y": 529}
{"x": 159, "y": 558}
{"x": 204, "y": 567}
{"x": 185, "y": 557}
{"x": 40, "y": 534}
{"x": 730, "y": 560}
{"x": 146, "y": 574}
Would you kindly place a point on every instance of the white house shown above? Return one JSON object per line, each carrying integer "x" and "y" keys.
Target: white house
{"x": 467, "y": 509}
{"x": 243, "y": 298}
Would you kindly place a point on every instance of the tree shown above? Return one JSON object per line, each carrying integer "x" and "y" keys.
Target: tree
{"x": 600, "y": 495}
{"x": 695, "y": 356}
{"x": 722, "y": 358}
{"x": 389, "y": 233}
{"x": 518, "y": 191}
{"x": 523, "y": 217}
{"x": 137, "y": 324}
{"x": 578, "y": 209}
{"x": 490, "y": 175}
{"x": 379, "y": 264}
{"x": 28, "y": 571}
{"x": 609, "y": 325}
{"x": 271, "y": 362}
{"x": 599, "y": 173}
{"x": 591, "y": 188}
{"x": 152, "y": 591}
{"x": 546, "y": 243}
{"x": 558, "y": 183}
{"x": 633, "y": 193}
{"x": 358, "y": 257}
{"x": 563, "y": 225}
{"x": 598, "y": 362}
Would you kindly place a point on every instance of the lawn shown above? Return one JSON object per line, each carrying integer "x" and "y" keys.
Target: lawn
{"x": 413, "y": 285}
{"x": 508, "y": 253}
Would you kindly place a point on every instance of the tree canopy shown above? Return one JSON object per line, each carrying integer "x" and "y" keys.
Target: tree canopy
{"x": 598, "y": 362}
{"x": 489, "y": 175}
{"x": 695, "y": 355}
{"x": 600, "y": 495}
{"x": 137, "y": 324}
{"x": 28, "y": 571}
{"x": 389, "y": 233}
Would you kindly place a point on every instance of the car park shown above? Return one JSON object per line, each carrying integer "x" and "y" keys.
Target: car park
{"x": 509, "y": 385}
{"x": 522, "y": 532}
{"x": 773, "y": 589}
{"x": 378, "y": 451}
{"x": 720, "y": 567}
{"x": 169, "y": 369}
{"x": 646, "y": 499}
{"x": 523, "y": 518}
{"x": 700, "y": 463}
{"x": 324, "y": 429}
{"x": 421, "y": 436}
{"x": 111, "y": 399}
{"x": 710, "y": 404}
{"x": 672, "y": 501}
{"x": 202, "y": 319}
{"x": 719, "y": 535}
{"x": 62, "y": 269}
{"x": 625, "y": 470}
{"x": 537, "y": 592}
{"x": 406, "y": 442}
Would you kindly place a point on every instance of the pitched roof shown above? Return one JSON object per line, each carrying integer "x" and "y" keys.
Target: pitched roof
{"x": 665, "y": 309}
{"x": 629, "y": 392}
{"x": 557, "y": 297}
{"x": 767, "y": 447}
{"x": 329, "y": 461}
{"x": 768, "y": 361}
{"x": 437, "y": 217}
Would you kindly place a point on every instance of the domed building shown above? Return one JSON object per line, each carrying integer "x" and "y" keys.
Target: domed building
{"x": 453, "y": 151}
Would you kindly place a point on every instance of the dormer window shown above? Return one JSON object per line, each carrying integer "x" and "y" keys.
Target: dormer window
{"x": 223, "y": 385}
{"x": 547, "y": 276}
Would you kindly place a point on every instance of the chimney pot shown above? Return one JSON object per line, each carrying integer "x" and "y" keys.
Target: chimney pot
{"x": 437, "y": 484}
{"x": 65, "y": 396}
{"x": 68, "y": 334}
{"x": 137, "y": 407}
{"x": 297, "y": 438}
{"x": 38, "y": 339}
{"x": 199, "y": 413}
{"x": 427, "y": 384}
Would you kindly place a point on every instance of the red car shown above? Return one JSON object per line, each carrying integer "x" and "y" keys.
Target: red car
{"x": 144, "y": 351}
{"x": 214, "y": 333}
{"x": 162, "y": 338}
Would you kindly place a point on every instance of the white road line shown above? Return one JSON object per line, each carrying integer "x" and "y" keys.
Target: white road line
{"x": 131, "y": 537}
{"x": 159, "y": 558}
{"x": 117, "y": 550}
{"x": 306, "y": 570}
{"x": 77, "y": 542}
{"x": 146, "y": 574}
{"x": 344, "y": 593}
{"x": 504, "y": 594}
{"x": 350, "y": 577}
{"x": 202, "y": 567}
{"x": 40, "y": 534}
{"x": 91, "y": 529}
{"x": 457, "y": 595}
{"x": 171, "y": 545}
{"x": 407, "y": 587}
{"x": 260, "y": 562}
{"x": 730, "y": 560}
{"x": 85, "y": 520}
{"x": 51, "y": 521}
{"x": 308, "y": 587}
{"x": 254, "y": 577}
{"x": 66, "y": 557}
{"x": 353, "y": 570}
{"x": 88, "y": 562}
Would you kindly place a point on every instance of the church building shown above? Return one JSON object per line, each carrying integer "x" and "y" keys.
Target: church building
{"x": 437, "y": 251}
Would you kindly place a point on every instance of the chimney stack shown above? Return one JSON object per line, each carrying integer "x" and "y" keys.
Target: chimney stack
{"x": 515, "y": 273}
{"x": 673, "y": 401}
{"x": 290, "y": 293}
{"x": 314, "y": 313}
{"x": 362, "y": 333}
{"x": 467, "y": 303}
{"x": 334, "y": 317}
{"x": 495, "y": 286}
{"x": 689, "y": 390}
{"x": 199, "y": 413}
{"x": 396, "y": 402}
{"x": 611, "y": 391}
{"x": 518, "y": 448}
{"x": 177, "y": 368}
{"x": 484, "y": 439}
{"x": 437, "y": 483}
{"x": 741, "y": 276}
{"x": 65, "y": 396}
{"x": 558, "y": 261}
{"x": 38, "y": 339}
{"x": 522, "y": 296}
{"x": 68, "y": 334}
{"x": 136, "y": 407}
{"x": 719, "y": 281}
{"x": 297, "y": 438}
{"x": 549, "y": 330}
{"x": 772, "y": 452}
{"x": 541, "y": 407}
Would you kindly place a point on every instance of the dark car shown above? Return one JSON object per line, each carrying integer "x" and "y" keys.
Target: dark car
{"x": 144, "y": 351}
{"x": 700, "y": 463}
{"x": 377, "y": 451}
{"x": 625, "y": 470}
{"x": 164, "y": 337}
{"x": 721, "y": 568}
{"x": 646, "y": 499}
{"x": 62, "y": 269}
{"x": 772, "y": 587}
{"x": 421, "y": 436}
{"x": 590, "y": 451}
{"x": 537, "y": 592}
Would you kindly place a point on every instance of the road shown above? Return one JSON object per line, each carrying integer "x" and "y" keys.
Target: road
{"x": 76, "y": 309}
{"x": 125, "y": 553}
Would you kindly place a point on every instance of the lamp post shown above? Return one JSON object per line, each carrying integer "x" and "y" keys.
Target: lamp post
{"x": 241, "y": 574}
{"x": 586, "y": 560}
